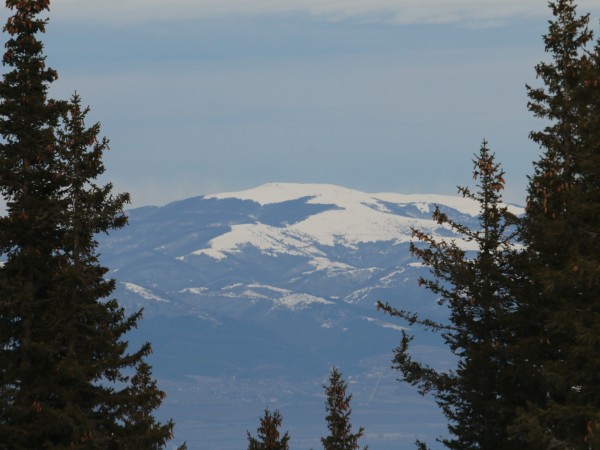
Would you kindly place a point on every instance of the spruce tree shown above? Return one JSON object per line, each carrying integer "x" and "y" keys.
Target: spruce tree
{"x": 67, "y": 378}
{"x": 268, "y": 435}
{"x": 561, "y": 234}
{"x": 338, "y": 411}
{"x": 480, "y": 396}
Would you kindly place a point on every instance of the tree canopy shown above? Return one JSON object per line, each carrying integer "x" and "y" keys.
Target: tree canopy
{"x": 525, "y": 307}
{"x": 478, "y": 396}
{"x": 67, "y": 376}
{"x": 268, "y": 434}
{"x": 337, "y": 406}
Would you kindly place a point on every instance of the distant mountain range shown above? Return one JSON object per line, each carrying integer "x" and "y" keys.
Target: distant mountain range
{"x": 250, "y": 297}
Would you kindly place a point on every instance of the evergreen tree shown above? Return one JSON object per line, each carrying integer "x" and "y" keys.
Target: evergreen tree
{"x": 338, "y": 411}
{"x": 480, "y": 396}
{"x": 561, "y": 233}
{"x": 67, "y": 379}
{"x": 268, "y": 436}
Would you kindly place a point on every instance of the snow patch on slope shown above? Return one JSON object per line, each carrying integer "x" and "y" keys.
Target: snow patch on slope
{"x": 143, "y": 292}
{"x": 391, "y": 278}
{"x": 194, "y": 290}
{"x": 277, "y": 296}
{"x": 385, "y": 324}
{"x": 296, "y": 301}
{"x": 328, "y": 265}
{"x": 270, "y": 240}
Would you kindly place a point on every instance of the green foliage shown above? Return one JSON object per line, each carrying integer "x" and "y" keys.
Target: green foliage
{"x": 268, "y": 436}
{"x": 526, "y": 324}
{"x": 561, "y": 235}
{"x": 421, "y": 445}
{"x": 338, "y": 411}
{"x": 478, "y": 397}
{"x": 67, "y": 379}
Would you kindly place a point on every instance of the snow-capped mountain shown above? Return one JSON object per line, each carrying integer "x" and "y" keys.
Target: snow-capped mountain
{"x": 251, "y": 296}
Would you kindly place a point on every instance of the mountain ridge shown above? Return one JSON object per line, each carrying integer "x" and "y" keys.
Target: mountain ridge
{"x": 250, "y": 297}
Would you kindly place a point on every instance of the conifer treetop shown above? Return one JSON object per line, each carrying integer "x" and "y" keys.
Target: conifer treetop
{"x": 337, "y": 407}
{"x": 268, "y": 434}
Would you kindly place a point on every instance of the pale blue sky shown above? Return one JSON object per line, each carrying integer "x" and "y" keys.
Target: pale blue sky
{"x": 207, "y": 96}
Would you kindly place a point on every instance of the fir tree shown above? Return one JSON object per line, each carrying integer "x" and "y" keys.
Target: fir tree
{"x": 479, "y": 397}
{"x": 338, "y": 411}
{"x": 268, "y": 435}
{"x": 67, "y": 379}
{"x": 561, "y": 233}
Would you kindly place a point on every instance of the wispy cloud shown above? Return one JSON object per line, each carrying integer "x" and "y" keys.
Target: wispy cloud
{"x": 468, "y": 12}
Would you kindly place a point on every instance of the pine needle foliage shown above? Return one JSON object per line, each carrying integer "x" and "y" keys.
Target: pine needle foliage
{"x": 561, "y": 232}
{"x": 67, "y": 377}
{"x": 337, "y": 406}
{"x": 268, "y": 435}
{"x": 526, "y": 324}
{"x": 477, "y": 397}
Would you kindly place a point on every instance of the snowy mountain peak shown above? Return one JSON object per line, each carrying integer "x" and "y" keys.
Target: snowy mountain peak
{"x": 282, "y": 192}
{"x": 342, "y": 197}
{"x": 247, "y": 293}
{"x": 283, "y": 235}
{"x": 352, "y": 218}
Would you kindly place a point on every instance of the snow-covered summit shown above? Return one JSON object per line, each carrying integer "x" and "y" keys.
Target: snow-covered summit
{"x": 244, "y": 291}
{"x": 343, "y": 197}
{"x": 306, "y": 238}
{"x": 354, "y": 217}
{"x": 270, "y": 193}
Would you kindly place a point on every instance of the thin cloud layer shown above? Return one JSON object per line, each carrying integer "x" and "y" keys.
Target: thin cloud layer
{"x": 467, "y": 12}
